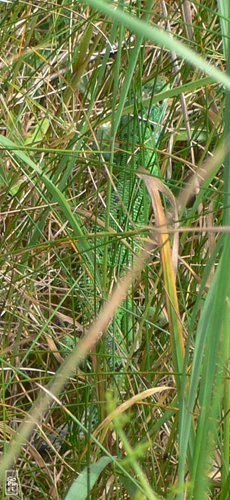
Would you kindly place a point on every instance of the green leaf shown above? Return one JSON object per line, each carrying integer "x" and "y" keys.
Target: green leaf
{"x": 87, "y": 479}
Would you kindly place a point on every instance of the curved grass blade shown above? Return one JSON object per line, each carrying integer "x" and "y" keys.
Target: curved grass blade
{"x": 154, "y": 188}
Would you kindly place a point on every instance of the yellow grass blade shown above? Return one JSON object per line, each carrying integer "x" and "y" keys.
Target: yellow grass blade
{"x": 155, "y": 187}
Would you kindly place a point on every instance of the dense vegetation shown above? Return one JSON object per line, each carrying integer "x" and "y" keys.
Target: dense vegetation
{"x": 146, "y": 404}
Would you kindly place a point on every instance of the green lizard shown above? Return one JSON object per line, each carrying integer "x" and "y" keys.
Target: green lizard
{"x": 138, "y": 136}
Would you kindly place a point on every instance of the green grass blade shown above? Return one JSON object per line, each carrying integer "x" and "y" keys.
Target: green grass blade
{"x": 163, "y": 39}
{"x": 59, "y": 198}
{"x": 86, "y": 480}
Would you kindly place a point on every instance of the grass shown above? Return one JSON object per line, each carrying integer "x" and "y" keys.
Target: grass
{"x": 157, "y": 426}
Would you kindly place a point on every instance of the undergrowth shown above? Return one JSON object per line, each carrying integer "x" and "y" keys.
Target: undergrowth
{"x": 148, "y": 413}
